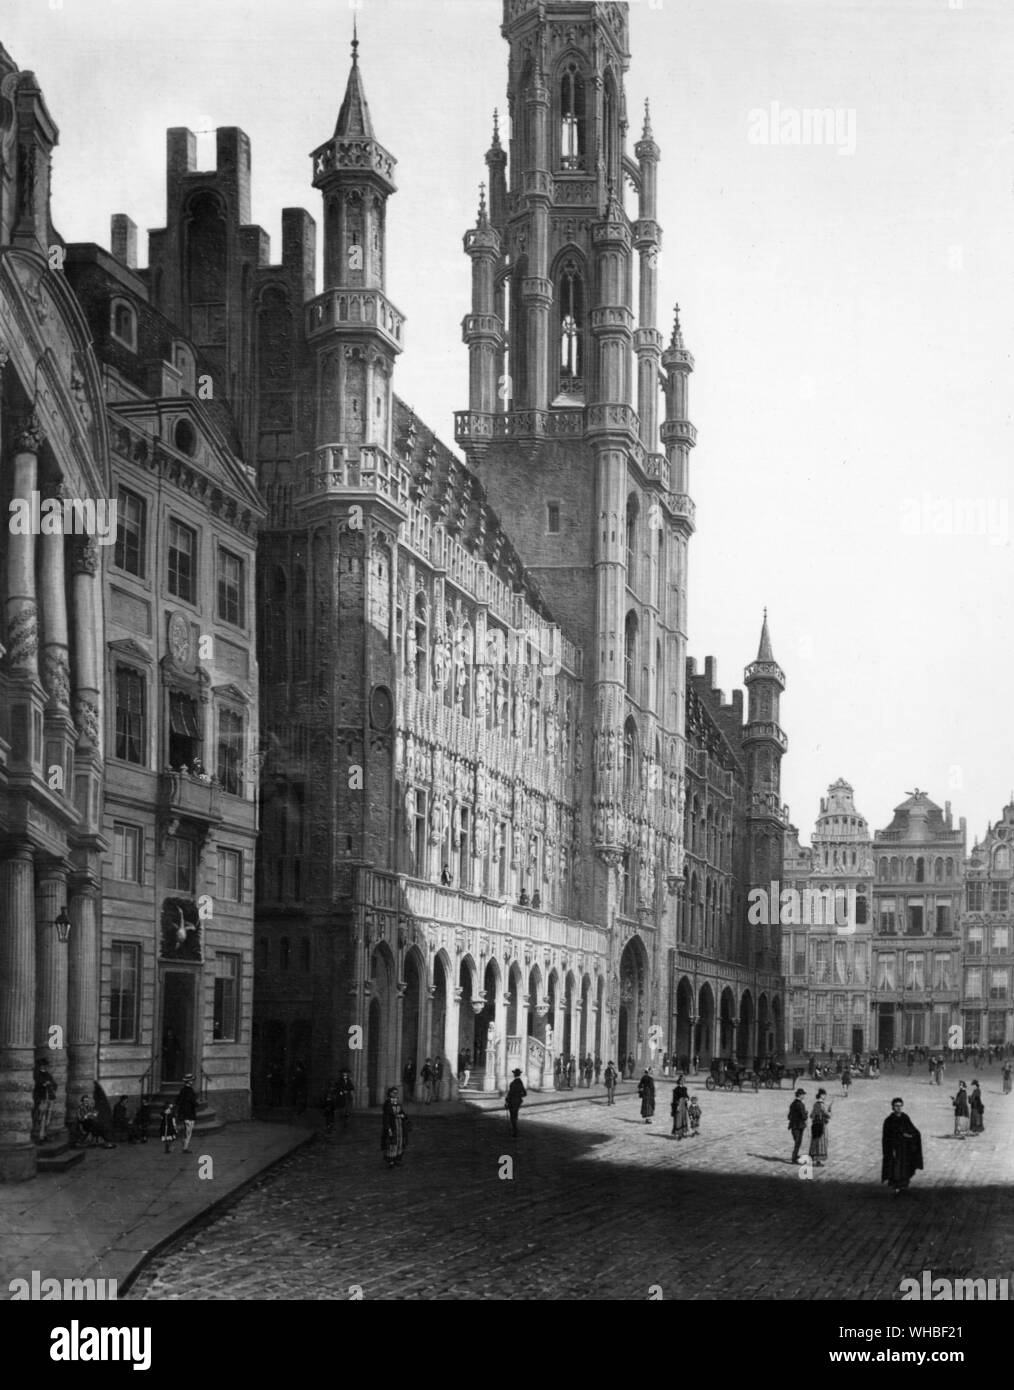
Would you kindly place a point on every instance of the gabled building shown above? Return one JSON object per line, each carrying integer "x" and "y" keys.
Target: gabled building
{"x": 987, "y": 933}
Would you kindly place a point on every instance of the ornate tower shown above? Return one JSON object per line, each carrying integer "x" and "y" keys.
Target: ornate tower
{"x": 599, "y": 515}
{"x": 765, "y": 744}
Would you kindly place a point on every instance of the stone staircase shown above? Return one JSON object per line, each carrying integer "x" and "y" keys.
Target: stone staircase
{"x": 476, "y": 1081}
{"x": 207, "y": 1121}
{"x": 57, "y": 1156}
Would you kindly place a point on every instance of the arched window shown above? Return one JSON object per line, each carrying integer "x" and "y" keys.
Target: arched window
{"x": 630, "y": 770}
{"x": 421, "y": 642}
{"x": 123, "y": 323}
{"x": 571, "y": 328}
{"x": 659, "y": 682}
{"x": 572, "y": 118}
{"x": 631, "y": 533}
{"x": 659, "y": 576}
{"x": 920, "y": 870}
{"x": 630, "y": 654}
{"x": 298, "y": 624}
{"x": 610, "y": 132}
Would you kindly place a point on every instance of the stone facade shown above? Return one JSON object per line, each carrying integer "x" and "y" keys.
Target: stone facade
{"x": 827, "y": 941}
{"x": 917, "y": 901}
{"x": 987, "y": 934}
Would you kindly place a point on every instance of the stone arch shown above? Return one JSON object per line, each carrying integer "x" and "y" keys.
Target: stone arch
{"x": 704, "y": 1041}
{"x": 584, "y": 1027}
{"x": 683, "y": 1042}
{"x": 413, "y": 1015}
{"x": 515, "y": 992}
{"x": 746, "y": 1032}
{"x": 382, "y": 1068}
{"x": 726, "y": 1020}
{"x": 631, "y": 1020}
{"x": 569, "y": 997}
{"x": 765, "y": 1029}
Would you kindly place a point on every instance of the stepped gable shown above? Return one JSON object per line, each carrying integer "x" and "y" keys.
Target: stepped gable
{"x": 453, "y": 497}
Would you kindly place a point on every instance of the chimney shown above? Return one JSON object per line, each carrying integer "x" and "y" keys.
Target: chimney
{"x": 123, "y": 239}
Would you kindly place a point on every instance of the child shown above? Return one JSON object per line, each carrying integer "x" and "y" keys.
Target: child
{"x": 167, "y": 1127}
{"x": 138, "y": 1133}
{"x": 695, "y": 1118}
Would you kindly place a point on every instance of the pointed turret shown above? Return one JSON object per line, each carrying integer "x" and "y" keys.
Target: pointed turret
{"x": 764, "y": 652}
{"x": 496, "y": 163}
{"x": 354, "y": 117}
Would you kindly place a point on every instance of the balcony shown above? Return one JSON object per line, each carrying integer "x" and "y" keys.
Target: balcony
{"x": 352, "y": 310}
{"x": 184, "y": 795}
{"x": 337, "y": 469}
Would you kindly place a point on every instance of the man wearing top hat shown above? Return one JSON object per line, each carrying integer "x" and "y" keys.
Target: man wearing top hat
{"x": 797, "y": 1123}
{"x": 515, "y": 1095}
{"x": 186, "y": 1109}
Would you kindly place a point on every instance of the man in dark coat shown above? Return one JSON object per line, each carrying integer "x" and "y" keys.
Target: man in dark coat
{"x": 408, "y": 1076}
{"x": 798, "y": 1116}
{"x": 646, "y": 1090}
{"x": 515, "y": 1096}
{"x": 902, "y": 1148}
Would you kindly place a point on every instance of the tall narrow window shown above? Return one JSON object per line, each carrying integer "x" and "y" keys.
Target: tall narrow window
{"x": 571, "y": 330}
{"x": 184, "y": 731}
{"x": 131, "y": 730}
{"x": 631, "y": 536}
{"x": 231, "y": 580}
{"x": 630, "y": 655}
{"x": 130, "y": 533}
{"x": 127, "y": 852}
{"x": 572, "y": 122}
{"x": 182, "y": 562}
{"x": 123, "y": 993}
{"x": 230, "y": 751}
{"x": 609, "y": 131}
{"x": 225, "y": 1017}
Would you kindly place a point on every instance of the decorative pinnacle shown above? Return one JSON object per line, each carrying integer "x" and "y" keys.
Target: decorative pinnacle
{"x": 496, "y": 129}
{"x": 355, "y": 42}
{"x": 677, "y": 333}
{"x": 646, "y": 133}
{"x": 482, "y": 205}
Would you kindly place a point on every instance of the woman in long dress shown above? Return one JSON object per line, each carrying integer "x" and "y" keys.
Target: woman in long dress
{"x": 646, "y": 1090}
{"x": 1006, "y": 1073}
{"x": 820, "y": 1118}
{"x": 976, "y": 1106}
{"x": 901, "y": 1145}
{"x": 680, "y": 1110}
{"x": 961, "y": 1111}
{"x": 394, "y": 1129}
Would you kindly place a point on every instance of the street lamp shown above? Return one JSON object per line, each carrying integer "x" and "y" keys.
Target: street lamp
{"x": 63, "y": 925}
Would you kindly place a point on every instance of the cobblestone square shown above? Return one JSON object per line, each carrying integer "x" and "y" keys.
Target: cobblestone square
{"x": 602, "y": 1206}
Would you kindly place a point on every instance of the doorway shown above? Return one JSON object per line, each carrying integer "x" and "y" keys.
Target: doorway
{"x": 178, "y": 1050}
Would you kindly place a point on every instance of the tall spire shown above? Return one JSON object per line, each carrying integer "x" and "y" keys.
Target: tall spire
{"x": 646, "y": 133}
{"x": 764, "y": 652}
{"x": 354, "y": 117}
{"x": 676, "y": 341}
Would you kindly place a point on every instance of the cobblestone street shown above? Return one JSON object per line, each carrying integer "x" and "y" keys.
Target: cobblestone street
{"x": 603, "y": 1206}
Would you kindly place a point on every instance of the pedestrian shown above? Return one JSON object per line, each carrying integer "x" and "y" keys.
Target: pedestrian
{"x": 630, "y": 1066}
{"x": 911, "y": 1063}
{"x": 330, "y": 1105}
{"x": 820, "y": 1118}
{"x": 394, "y": 1129}
{"x": 43, "y": 1096}
{"x": 167, "y": 1126}
{"x": 121, "y": 1124}
{"x": 846, "y": 1080}
{"x": 346, "y": 1090}
{"x": 680, "y": 1110}
{"x": 438, "y": 1075}
{"x": 977, "y": 1108}
{"x": 695, "y": 1118}
{"x": 665, "y": 1064}
{"x": 811, "y": 1065}
{"x": 798, "y": 1116}
{"x": 138, "y": 1131}
{"x": 598, "y": 1068}
{"x": 186, "y": 1109}
{"x": 426, "y": 1077}
{"x": 514, "y": 1100}
{"x": 571, "y": 1069}
{"x": 932, "y": 1069}
{"x": 646, "y": 1090}
{"x": 901, "y": 1144}
{"x": 1005, "y": 1072}
{"x": 589, "y": 1067}
{"x": 558, "y": 1073}
{"x": 962, "y": 1112}
{"x": 938, "y": 1070}
{"x": 445, "y": 877}
{"x": 610, "y": 1080}
{"x": 408, "y": 1077}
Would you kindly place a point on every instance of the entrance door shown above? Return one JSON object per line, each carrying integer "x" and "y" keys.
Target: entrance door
{"x": 886, "y": 1039}
{"x": 179, "y": 1051}
{"x": 857, "y": 1040}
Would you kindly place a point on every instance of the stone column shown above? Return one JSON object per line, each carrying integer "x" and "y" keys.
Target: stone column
{"x": 22, "y": 609}
{"x": 395, "y": 1063}
{"x": 86, "y": 600}
{"x": 523, "y": 1003}
{"x": 452, "y": 1020}
{"x": 55, "y": 659}
{"x": 17, "y": 1012}
{"x": 51, "y": 986}
{"x": 82, "y": 989}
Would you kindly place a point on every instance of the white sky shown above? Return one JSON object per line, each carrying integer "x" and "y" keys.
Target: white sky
{"x": 852, "y": 315}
